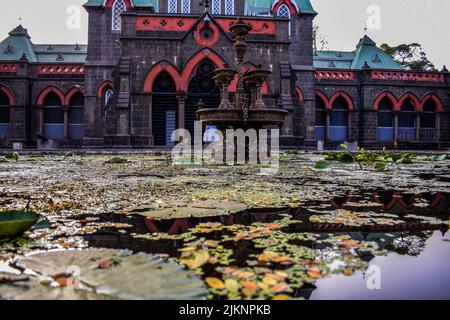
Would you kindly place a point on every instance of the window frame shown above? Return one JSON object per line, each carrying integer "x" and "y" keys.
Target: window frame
{"x": 116, "y": 19}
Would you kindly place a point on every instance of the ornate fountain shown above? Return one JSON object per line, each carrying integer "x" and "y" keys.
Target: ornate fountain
{"x": 248, "y": 109}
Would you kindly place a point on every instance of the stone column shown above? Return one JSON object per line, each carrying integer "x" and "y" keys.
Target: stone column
{"x": 438, "y": 126}
{"x": 66, "y": 122}
{"x": 417, "y": 126}
{"x": 181, "y": 97}
{"x": 396, "y": 126}
{"x": 327, "y": 128}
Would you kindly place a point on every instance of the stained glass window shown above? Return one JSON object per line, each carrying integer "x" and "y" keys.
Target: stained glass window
{"x": 216, "y": 7}
{"x": 186, "y": 6}
{"x": 117, "y": 9}
{"x": 284, "y": 12}
{"x": 172, "y": 6}
{"x": 229, "y": 7}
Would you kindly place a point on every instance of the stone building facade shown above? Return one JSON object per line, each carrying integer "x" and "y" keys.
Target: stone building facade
{"x": 148, "y": 63}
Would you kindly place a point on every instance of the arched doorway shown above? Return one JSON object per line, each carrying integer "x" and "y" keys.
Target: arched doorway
{"x": 76, "y": 116}
{"x": 202, "y": 87}
{"x": 321, "y": 119}
{"x": 5, "y": 111}
{"x": 407, "y": 121}
{"x": 385, "y": 120}
{"x": 53, "y": 122}
{"x": 164, "y": 109}
{"x": 339, "y": 120}
{"x": 428, "y": 122}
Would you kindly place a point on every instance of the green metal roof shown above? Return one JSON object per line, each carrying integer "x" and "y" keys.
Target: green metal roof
{"x": 258, "y": 7}
{"x": 16, "y": 45}
{"x": 264, "y": 7}
{"x": 305, "y": 6}
{"x": 136, "y": 3}
{"x": 19, "y": 43}
{"x": 366, "y": 51}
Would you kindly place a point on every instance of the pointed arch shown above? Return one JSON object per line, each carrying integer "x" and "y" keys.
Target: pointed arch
{"x": 300, "y": 94}
{"x": 292, "y": 5}
{"x": 194, "y": 61}
{"x": 110, "y": 3}
{"x": 159, "y": 67}
{"x": 71, "y": 93}
{"x": 437, "y": 101}
{"x": 345, "y": 96}
{"x": 45, "y": 92}
{"x": 386, "y": 94}
{"x": 9, "y": 94}
{"x": 324, "y": 98}
{"x": 414, "y": 99}
{"x": 107, "y": 84}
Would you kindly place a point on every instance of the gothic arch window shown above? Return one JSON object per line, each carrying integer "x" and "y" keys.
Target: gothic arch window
{"x": 118, "y": 8}
{"x": 164, "y": 109}
{"x": 76, "y": 116}
{"x": 339, "y": 120}
{"x": 229, "y": 7}
{"x": 109, "y": 93}
{"x": 185, "y": 6}
{"x": 203, "y": 81}
{"x": 5, "y": 110}
{"x": 407, "y": 121}
{"x": 428, "y": 122}
{"x": 216, "y": 7}
{"x": 321, "y": 119}
{"x": 164, "y": 83}
{"x": 53, "y": 117}
{"x": 284, "y": 12}
{"x": 385, "y": 120}
{"x": 172, "y": 6}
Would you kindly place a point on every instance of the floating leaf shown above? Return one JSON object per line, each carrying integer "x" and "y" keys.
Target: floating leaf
{"x": 14, "y": 223}
{"x": 322, "y": 166}
{"x": 195, "y": 259}
{"x": 140, "y": 276}
{"x": 232, "y": 285}
{"x": 215, "y": 283}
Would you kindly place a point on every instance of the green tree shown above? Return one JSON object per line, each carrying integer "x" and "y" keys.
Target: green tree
{"x": 410, "y": 56}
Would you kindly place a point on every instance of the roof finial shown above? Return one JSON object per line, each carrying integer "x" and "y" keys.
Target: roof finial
{"x": 365, "y": 29}
{"x": 204, "y": 3}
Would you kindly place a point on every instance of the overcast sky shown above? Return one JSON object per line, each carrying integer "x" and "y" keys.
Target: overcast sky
{"x": 341, "y": 21}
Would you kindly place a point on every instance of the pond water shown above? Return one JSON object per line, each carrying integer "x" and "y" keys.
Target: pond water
{"x": 375, "y": 245}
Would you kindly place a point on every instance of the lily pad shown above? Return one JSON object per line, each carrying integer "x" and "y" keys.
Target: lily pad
{"x": 322, "y": 166}
{"x": 14, "y": 223}
{"x": 106, "y": 274}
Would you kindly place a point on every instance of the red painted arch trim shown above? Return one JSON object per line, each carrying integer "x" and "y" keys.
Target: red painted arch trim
{"x": 103, "y": 86}
{"x": 43, "y": 94}
{"x": 346, "y": 97}
{"x": 109, "y": 3}
{"x": 194, "y": 61}
{"x": 278, "y": 4}
{"x": 71, "y": 93}
{"x": 157, "y": 69}
{"x": 300, "y": 95}
{"x": 411, "y": 96}
{"x": 437, "y": 102}
{"x": 324, "y": 98}
{"x": 9, "y": 94}
{"x": 390, "y": 96}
